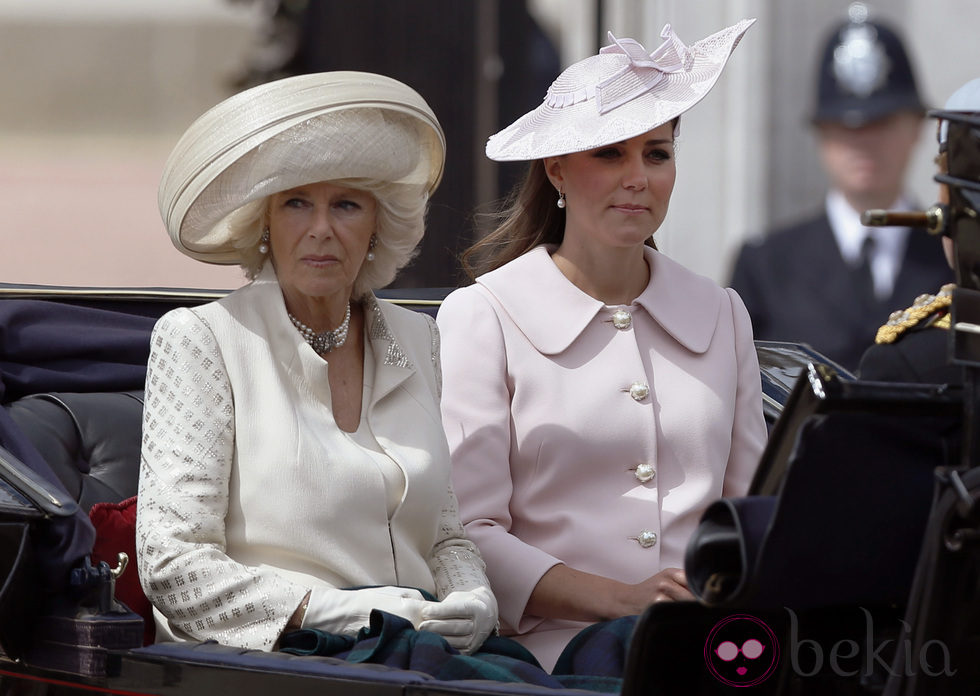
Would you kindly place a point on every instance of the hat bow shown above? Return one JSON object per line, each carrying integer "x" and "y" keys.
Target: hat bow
{"x": 642, "y": 73}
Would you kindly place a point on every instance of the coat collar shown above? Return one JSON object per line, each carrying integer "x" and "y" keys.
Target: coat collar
{"x": 393, "y": 365}
{"x": 552, "y": 312}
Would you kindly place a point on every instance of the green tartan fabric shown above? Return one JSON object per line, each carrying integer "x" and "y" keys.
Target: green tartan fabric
{"x": 597, "y": 650}
{"x": 391, "y": 640}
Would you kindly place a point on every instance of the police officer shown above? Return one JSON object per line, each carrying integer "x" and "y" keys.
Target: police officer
{"x": 913, "y": 345}
{"x": 827, "y": 280}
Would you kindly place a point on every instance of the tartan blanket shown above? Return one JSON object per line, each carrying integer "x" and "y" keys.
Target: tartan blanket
{"x": 593, "y": 660}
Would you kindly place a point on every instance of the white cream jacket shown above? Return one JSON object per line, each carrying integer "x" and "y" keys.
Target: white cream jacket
{"x": 250, "y": 495}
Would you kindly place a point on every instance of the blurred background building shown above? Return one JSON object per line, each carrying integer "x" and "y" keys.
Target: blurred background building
{"x": 94, "y": 94}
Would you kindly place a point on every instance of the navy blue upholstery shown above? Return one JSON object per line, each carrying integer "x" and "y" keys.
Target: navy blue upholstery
{"x": 407, "y": 682}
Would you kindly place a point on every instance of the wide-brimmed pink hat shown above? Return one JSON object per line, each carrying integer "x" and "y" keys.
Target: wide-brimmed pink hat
{"x": 622, "y": 92}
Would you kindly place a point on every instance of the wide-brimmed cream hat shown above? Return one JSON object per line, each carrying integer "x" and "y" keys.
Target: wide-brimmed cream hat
{"x": 295, "y": 131}
{"x": 622, "y": 92}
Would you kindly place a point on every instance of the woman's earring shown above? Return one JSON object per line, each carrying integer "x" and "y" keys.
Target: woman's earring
{"x": 264, "y": 242}
{"x": 561, "y": 199}
{"x": 371, "y": 244}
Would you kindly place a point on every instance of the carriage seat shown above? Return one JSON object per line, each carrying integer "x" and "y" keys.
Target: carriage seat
{"x": 90, "y": 440}
{"x": 92, "y": 443}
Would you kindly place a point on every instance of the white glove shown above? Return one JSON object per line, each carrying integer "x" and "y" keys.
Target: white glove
{"x": 463, "y": 618}
{"x": 347, "y": 611}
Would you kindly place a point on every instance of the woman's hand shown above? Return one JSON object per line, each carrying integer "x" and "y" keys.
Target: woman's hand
{"x": 670, "y": 584}
{"x": 567, "y": 593}
{"x": 347, "y": 611}
{"x": 463, "y": 618}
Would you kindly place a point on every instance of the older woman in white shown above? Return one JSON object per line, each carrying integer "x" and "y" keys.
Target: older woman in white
{"x": 597, "y": 395}
{"x": 292, "y": 443}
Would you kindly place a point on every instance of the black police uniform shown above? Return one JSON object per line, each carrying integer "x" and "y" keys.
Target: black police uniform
{"x": 797, "y": 287}
{"x": 795, "y": 283}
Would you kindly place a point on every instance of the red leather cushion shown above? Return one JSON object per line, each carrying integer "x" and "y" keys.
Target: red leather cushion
{"x": 115, "y": 526}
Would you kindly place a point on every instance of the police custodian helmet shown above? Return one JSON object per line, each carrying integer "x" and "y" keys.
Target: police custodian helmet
{"x": 865, "y": 73}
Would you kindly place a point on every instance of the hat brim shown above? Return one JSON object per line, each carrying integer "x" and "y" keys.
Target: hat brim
{"x": 549, "y": 131}
{"x": 858, "y": 112}
{"x": 201, "y": 186}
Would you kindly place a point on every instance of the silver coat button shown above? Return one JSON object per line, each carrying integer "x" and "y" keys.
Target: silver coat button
{"x": 622, "y": 319}
{"x": 646, "y": 539}
{"x": 639, "y": 391}
{"x": 645, "y": 472}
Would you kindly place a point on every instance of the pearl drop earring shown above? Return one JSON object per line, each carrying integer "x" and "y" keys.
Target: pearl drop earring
{"x": 264, "y": 242}
{"x": 371, "y": 244}
{"x": 561, "y": 199}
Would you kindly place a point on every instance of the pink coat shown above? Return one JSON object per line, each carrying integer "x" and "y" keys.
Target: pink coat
{"x": 582, "y": 441}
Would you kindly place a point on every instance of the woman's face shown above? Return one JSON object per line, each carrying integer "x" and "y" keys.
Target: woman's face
{"x": 617, "y": 194}
{"x": 319, "y": 236}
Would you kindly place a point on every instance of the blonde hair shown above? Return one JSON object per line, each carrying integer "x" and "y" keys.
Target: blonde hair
{"x": 399, "y": 228}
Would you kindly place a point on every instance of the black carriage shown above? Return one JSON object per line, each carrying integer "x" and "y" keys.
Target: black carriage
{"x": 851, "y": 568}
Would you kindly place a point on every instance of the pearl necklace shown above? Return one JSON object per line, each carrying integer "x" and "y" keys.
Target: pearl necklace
{"x": 326, "y": 341}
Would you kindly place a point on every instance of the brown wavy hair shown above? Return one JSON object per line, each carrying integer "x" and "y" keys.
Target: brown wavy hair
{"x": 527, "y": 218}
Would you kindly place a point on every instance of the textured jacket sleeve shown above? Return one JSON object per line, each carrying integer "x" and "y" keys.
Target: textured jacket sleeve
{"x": 749, "y": 424}
{"x": 187, "y": 458}
{"x": 456, "y": 563}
